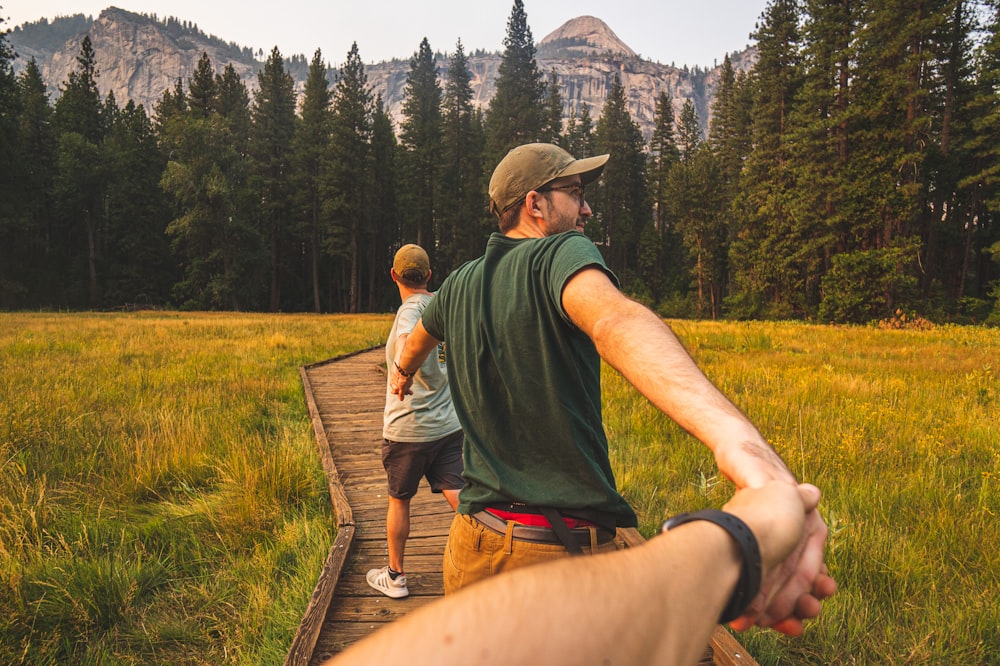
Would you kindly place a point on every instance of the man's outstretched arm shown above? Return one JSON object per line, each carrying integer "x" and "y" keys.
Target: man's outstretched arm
{"x": 637, "y": 343}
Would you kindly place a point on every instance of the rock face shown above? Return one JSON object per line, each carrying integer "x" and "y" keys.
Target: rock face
{"x": 584, "y": 36}
{"x": 139, "y": 57}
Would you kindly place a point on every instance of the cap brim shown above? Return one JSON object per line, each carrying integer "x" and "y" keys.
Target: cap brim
{"x": 589, "y": 168}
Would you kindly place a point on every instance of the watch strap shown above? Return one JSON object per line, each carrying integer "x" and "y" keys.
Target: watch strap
{"x": 750, "y": 568}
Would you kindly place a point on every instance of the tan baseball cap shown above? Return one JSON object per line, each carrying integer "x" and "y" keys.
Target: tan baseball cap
{"x": 411, "y": 258}
{"x": 532, "y": 165}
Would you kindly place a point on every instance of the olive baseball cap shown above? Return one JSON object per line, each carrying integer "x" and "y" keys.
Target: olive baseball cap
{"x": 531, "y": 166}
{"x": 411, "y": 258}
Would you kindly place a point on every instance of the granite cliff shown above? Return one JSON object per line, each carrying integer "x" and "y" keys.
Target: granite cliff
{"x": 138, "y": 57}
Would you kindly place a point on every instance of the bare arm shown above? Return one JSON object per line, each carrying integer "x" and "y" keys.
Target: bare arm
{"x": 638, "y": 344}
{"x": 410, "y": 356}
{"x": 657, "y": 603}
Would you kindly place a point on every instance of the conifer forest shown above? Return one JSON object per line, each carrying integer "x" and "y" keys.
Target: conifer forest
{"x": 852, "y": 175}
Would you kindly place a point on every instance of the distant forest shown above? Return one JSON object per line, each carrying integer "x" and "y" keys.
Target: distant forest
{"x": 852, "y": 176}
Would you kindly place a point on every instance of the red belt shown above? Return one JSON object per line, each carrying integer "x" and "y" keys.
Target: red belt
{"x": 536, "y": 519}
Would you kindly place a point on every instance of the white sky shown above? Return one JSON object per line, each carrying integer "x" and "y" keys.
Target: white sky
{"x": 683, "y": 32}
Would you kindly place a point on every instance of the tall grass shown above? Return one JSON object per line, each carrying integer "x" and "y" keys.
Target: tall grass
{"x": 161, "y": 500}
{"x": 901, "y": 430}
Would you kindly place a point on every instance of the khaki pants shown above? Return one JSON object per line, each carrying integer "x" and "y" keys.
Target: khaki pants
{"x": 475, "y": 552}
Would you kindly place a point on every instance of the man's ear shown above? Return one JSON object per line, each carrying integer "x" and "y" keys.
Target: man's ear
{"x": 531, "y": 202}
{"x": 392, "y": 274}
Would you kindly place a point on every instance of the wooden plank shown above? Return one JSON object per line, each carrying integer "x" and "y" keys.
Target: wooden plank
{"x": 304, "y": 643}
{"x": 728, "y": 651}
{"x": 342, "y": 508}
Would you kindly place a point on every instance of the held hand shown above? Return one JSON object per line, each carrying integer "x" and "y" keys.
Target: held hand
{"x": 399, "y": 384}
{"x": 795, "y": 584}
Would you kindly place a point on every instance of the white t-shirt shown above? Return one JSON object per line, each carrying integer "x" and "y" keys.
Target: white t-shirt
{"x": 428, "y": 414}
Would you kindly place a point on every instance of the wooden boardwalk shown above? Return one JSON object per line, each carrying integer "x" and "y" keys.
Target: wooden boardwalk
{"x": 345, "y": 397}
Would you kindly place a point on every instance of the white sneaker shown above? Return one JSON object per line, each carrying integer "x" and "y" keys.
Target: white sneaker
{"x": 383, "y": 582}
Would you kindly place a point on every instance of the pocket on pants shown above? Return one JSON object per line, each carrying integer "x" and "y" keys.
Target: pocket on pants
{"x": 452, "y": 566}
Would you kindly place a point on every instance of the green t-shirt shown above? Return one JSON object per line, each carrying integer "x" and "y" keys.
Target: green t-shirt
{"x": 525, "y": 381}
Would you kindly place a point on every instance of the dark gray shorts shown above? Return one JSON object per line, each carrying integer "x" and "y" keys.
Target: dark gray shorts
{"x": 407, "y": 462}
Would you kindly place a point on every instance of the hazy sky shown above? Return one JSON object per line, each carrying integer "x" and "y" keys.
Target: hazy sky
{"x": 683, "y": 32}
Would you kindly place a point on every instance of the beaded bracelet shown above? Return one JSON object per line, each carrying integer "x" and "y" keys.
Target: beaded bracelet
{"x": 750, "y": 568}
{"x": 403, "y": 373}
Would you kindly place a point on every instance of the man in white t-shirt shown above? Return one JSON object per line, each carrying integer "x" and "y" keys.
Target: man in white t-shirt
{"x": 422, "y": 435}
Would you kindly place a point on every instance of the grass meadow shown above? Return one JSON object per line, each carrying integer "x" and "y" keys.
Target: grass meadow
{"x": 162, "y": 502}
{"x": 161, "y": 498}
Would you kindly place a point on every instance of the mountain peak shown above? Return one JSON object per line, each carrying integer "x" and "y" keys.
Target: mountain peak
{"x": 583, "y": 36}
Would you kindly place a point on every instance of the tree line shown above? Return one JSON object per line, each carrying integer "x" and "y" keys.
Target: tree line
{"x": 853, "y": 173}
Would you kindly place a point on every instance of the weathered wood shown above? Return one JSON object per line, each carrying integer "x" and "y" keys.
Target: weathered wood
{"x": 341, "y": 506}
{"x": 312, "y": 622}
{"x": 345, "y": 397}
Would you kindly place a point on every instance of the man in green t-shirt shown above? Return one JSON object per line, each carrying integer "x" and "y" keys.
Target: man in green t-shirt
{"x": 527, "y": 325}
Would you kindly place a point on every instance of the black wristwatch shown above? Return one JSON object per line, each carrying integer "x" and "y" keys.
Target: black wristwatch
{"x": 750, "y": 569}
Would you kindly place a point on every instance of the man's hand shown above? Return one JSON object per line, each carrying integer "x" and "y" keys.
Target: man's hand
{"x": 794, "y": 586}
{"x": 399, "y": 384}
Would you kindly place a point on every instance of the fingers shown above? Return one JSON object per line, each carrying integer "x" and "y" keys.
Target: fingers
{"x": 794, "y": 589}
{"x": 801, "y": 576}
{"x": 810, "y": 496}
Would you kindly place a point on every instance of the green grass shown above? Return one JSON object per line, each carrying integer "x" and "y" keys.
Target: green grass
{"x": 162, "y": 502}
{"x": 901, "y": 431}
{"x": 161, "y": 499}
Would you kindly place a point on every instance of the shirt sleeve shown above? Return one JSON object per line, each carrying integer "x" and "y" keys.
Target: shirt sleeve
{"x": 406, "y": 318}
{"x": 431, "y": 316}
{"x": 574, "y": 253}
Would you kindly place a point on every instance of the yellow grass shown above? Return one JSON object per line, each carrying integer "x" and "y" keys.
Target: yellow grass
{"x": 161, "y": 499}
{"x": 900, "y": 429}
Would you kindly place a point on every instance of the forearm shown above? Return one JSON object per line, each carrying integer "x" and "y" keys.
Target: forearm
{"x": 654, "y": 604}
{"x": 638, "y": 344}
{"x": 414, "y": 351}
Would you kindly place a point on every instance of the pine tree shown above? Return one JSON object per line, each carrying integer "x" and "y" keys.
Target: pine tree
{"x": 79, "y": 183}
{"x": 139, "y": 266}
{"x": 895, "y": 48}
{"x": 951, "y": 221}
{"x": 420, "y": 138}
{"x": 698, "y": 214}
{"x": 580, "y": 133}
{"x": 272, "y": 133}
{"x": 11, "y": 222}
{"x": 170, "y": 105}
{"x": 311, "y": 143}
{"x": 245, "y": 248}
{"x": 30, "y": 273}
{"x": 212, "y": 232}
{"x": 516, "y": 113}
{"x": 203, "y": 91}
{"x": 552, "y": 130}
{"x": 688, "y": 131}
{"x": 349, "y": 175}
{"x": 465, "y": 223}
{"x": 763, "y": 245}
{"x": 981, "y": 179}
{"x": 621, "y": 203}
{"x": 662, "y": 265}
{"x": 384, "y": 227}
{"x": 663, "y": 155}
